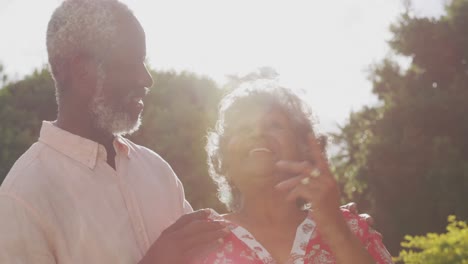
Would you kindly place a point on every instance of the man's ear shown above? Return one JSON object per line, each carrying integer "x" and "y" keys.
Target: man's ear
{"x": 83, "y": 75}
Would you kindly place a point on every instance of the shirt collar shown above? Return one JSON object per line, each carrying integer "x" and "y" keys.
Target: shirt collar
{"x": 121, "y": 145}
{"x": 78, "y": 148}
{"x": 304, "y": 233}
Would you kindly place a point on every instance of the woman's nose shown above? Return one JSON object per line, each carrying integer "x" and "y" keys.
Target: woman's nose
{"x": 257, "y": 130}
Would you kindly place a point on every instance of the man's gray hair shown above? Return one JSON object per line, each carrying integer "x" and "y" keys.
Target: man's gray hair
{"x": 81, "y": 27}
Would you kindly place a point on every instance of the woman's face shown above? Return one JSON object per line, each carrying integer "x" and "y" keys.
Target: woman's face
{"x": 257, "y": 137}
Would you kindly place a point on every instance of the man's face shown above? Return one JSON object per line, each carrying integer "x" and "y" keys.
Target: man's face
{"x": 122, "y": 80}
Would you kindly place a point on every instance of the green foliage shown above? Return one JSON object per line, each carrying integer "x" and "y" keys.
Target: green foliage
{"x": 447, "y": 248}
{"x": 349, "y": 163}
{"x": 3, "y": 76}
{"x": 23, "y": 105}
{"x": 408, "y": 156}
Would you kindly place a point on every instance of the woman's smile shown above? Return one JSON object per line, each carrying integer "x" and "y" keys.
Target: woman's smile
{"x": 260, "y": 150}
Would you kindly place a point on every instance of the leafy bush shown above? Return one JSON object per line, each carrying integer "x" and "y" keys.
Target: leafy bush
{"x": 447, "y": 248}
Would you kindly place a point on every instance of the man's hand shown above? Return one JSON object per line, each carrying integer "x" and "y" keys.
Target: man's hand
{"x": 190, "y": 236}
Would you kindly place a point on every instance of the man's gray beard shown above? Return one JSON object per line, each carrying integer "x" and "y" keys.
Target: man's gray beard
{"x": 109, "y": 119}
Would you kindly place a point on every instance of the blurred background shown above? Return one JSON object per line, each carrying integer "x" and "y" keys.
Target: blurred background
{"x": 388, "y": 81}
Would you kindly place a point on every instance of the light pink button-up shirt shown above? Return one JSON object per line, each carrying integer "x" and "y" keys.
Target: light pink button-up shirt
{"x": 62, "y": 203}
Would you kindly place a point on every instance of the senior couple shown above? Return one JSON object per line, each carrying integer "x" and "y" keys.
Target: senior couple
{"x": 85, "y": 194}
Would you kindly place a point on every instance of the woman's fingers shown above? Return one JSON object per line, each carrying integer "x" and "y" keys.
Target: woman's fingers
{"x": 289, "y": 183}
{"x": 293, "y": 167}
{"x": 313, "y": 181}
{"x": 303, "y": 170}
{"x": 314, "y": 190}
{"x": 309, "y": 192}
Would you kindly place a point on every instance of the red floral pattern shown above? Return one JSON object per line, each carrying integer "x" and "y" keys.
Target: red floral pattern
{"x": 308, "y": 248}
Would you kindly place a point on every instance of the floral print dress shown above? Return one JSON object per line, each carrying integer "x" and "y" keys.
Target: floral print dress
{"x": 308, "y": 248}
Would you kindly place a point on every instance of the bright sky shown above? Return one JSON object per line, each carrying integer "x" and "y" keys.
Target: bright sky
{"x": 323, "y": 47}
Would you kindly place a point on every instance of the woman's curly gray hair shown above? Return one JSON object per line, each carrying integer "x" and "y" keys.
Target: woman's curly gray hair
{"x": 268, "y": 94}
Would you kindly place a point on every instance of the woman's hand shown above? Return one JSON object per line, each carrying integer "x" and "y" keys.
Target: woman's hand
{"x": 316, "y": 185}
{"x": 314, "y": 182}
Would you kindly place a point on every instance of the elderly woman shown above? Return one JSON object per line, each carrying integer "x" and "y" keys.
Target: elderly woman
{"x": 268, "y": 164}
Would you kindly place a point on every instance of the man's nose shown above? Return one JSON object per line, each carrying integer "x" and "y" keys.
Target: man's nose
{"x": 145, "y": 78}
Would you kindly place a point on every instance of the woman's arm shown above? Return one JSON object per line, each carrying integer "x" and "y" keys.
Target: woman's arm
{"x": 316, "y": 185}
{"x": 346, "y": 246}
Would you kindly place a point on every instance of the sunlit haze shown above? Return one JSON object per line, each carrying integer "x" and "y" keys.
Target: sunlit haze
{"x": 323, "y": 47}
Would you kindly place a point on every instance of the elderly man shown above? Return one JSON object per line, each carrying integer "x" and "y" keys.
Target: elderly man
{"x": 83, "y": 193}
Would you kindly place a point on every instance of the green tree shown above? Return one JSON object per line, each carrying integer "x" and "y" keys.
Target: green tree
{"x": 23, "y": 105}
{"x": 408, "y": 156}
{"x": 3, "y": 76}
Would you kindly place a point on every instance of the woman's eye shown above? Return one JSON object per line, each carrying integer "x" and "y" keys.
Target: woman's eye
{"x": 235, "y": 130}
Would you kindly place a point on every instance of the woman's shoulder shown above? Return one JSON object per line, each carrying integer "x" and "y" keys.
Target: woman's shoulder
{"x": 358, "y": 224}
{"x": 368, "y": 236}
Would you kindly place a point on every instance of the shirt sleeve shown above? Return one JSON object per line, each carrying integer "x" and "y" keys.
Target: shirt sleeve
{"x": 186, "y": 207}
{"x": 370, "y": 238}
{"x": 178, "y": 189}
{"x": 376, "y": 248}
{"x": 23, "y": 239}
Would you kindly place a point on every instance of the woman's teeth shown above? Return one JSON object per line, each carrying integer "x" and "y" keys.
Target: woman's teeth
{"x": 259, "y": 150}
